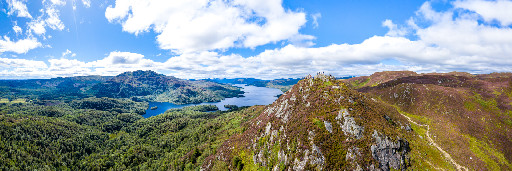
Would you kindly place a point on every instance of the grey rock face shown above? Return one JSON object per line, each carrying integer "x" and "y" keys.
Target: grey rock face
{"x": 390, "y": 154}
{"x": 349, "y": 126}
{"x": 328, "y": 126}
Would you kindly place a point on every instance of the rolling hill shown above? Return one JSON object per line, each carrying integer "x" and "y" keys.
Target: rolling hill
{"x": 151, "y": 86}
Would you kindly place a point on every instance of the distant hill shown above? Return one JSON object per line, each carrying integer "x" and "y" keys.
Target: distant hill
{"x": 50, "y": 89}
{"x": 284, "y": 84}
{"x": 137, "y": 85}
{"x": 151, "y": 86}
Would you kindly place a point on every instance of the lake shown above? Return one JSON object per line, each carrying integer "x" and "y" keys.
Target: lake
{"x": 253, "y": 96}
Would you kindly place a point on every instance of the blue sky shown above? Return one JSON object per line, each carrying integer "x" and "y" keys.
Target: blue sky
{"x": 252, "y": 38}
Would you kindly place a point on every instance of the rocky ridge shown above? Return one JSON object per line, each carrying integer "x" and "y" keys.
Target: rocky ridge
{"x": 320, "y": 124}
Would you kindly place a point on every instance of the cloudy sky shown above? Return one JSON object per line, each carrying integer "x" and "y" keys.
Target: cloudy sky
{"x": 252, "y": 38}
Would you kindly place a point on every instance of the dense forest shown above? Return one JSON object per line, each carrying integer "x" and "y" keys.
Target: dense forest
{"x": 107, "y": 133}
{"x": 95, "y": 122}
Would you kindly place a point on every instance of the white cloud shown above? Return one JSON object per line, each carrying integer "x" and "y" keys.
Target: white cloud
{"x": 37, "y": 26}
{"x": 117, "y": 62}
{"x": 498, "y": 10}
{"x": 67, "y": 68}
{"x": 120, "y": 58}
{"x": 53, "y": 21}
{"x": 50, "y": 17}
{"x": 20, "y": 46}
{"x": 58, "y": 2}
{"x": 68, "y": 53}
{"x": 466, "y": 38}
{"x": 393, "y": 29}
{"x": 87, "y": 3}
{"x": 197, "y": 25}
{"x": 316, "y": 17}
{"x": 21, "y": 63}
{"x": 430, "y": 41}
{"x": 19, "y": 7}
{"x": 17, "y": 29}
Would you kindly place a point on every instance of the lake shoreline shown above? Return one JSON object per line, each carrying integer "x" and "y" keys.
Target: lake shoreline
{"x": 253, "y": 95}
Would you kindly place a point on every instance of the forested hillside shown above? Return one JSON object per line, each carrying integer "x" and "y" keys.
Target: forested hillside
{"x": 137, "y": 85}
{"x": 105, "y": 133}
{"x": 151, "y": 86}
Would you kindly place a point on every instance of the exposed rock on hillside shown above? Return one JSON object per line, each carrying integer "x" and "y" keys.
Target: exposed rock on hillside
{"x": 320, "y": 124}
{"x": 470, "y": 116}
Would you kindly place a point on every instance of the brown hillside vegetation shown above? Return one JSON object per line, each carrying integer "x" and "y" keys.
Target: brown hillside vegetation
{"x": 394, "y": 121}
{"x": 470, "y": 115}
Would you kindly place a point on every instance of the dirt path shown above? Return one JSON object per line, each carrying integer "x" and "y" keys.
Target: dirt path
{"x": 445, "y": 154}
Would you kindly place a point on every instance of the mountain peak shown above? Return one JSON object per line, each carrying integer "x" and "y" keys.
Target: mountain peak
{"x": 320, "y": 123}
{"x": 139, "y": 73}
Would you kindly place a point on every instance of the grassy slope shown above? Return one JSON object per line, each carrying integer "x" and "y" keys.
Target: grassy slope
{"x": 469, "y": 116}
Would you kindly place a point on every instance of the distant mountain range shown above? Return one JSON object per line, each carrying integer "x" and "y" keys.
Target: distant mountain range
{"x": 151, "y": 86}
{"x": 282, "y": 84}
{"x": 137, "y": 85}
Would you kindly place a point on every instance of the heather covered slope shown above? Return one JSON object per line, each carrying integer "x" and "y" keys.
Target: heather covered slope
{"x": 470, "y": 116}
{"x": 404, "y": 120}
{"x": 376, "y": 78}
{"x": 322, "y": 124}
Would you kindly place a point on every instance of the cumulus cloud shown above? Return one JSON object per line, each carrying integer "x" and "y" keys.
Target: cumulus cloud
{"x": 37, "y": 27}
{"x": 20, "y": 46}
{"x": 430, "y": 41}
{"x": 21, "y": 63}
{"x": 442, "y": 41}
{"x": 21, "y": 68}
{"x": 119, "y": 58}
{"x": 393, "y": 29}
{"x": 197, "y": 25}
{"x": 499, "y": 10}
{"x": 67, "y": 68}
{"x": 19, "y": 7}
{"x": 50, "y": 17}
{"x": 466, "y": 38}
{"x": 117, "y": 62}
{"x": 53, "y": 21}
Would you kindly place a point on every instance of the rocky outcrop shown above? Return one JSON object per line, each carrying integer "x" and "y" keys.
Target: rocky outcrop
{"x": 390, "y": 154}
{"x": 349, "y": 126}
{"x": 319, "y": 124}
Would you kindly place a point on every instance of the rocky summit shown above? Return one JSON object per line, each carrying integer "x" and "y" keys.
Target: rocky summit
{"x": 321, "y": 124}
{"x": 387, "y": 121}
